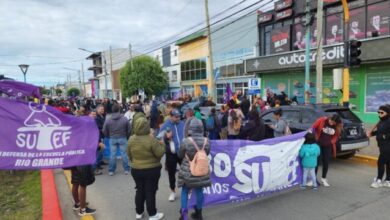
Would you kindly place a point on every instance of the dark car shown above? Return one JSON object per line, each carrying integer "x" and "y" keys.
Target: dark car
{"x": 301, "y": 118}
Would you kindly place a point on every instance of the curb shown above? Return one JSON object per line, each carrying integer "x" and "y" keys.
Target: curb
{"x": 68, "y": 179}
{"x": 369, "y": 160}
{"x": 51, "y": 208}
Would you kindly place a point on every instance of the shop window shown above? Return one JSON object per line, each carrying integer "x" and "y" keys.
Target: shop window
{"x": 194, "y": 69}
{"x": 378, "y": 19}
{"x": 221, "y": 91}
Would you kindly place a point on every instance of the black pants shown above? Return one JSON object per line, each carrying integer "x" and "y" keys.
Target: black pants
{"x": 326, "y": 154}
{"x": 146, "y": 185}
{"x": 171, "y": 163}
{"x": 383, "y": 161}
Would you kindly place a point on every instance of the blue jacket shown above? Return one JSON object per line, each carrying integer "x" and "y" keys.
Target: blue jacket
{"x": 309, "y": 154}
{"x": 177, "y": 132}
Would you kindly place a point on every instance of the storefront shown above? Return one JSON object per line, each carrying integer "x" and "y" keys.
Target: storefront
{"x": 369, "y": 84}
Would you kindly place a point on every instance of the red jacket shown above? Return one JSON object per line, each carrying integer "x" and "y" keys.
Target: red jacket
{"x": 319, "y": 125}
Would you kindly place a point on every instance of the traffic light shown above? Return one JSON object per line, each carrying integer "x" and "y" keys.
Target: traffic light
{"x": 354, "y": 53}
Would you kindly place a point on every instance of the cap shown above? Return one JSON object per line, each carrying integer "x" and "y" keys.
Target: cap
{"x": 175, "y": 112}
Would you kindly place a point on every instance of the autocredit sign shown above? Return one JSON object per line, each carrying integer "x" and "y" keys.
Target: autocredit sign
{"x": 333, "y": 55}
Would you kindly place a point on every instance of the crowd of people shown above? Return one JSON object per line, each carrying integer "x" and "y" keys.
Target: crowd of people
{"x": 144, "y": 132}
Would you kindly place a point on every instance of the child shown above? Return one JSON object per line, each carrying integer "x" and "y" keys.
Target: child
{"x": 309, "y": 153}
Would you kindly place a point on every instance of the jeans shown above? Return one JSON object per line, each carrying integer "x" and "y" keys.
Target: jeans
{"x": 171, "y": 163}
{"x": 120, "y": 143}
{"x": 312, "y": 174}
{"x": 99, "y": 158}
{"x": 146, "y": 185}
{"x": 184, "y": 197}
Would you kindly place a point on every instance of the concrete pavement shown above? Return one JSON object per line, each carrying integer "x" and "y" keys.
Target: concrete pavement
{"x": 349, "y": 197}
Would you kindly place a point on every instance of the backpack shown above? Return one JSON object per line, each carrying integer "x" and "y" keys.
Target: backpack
{"x": 199, "y": 166}
{"x": 210, "y": 123}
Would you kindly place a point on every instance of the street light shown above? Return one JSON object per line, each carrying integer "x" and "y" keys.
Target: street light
{"x": 24, "y": 68}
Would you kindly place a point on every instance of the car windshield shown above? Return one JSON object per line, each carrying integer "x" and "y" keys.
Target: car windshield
{"x": 346, "y": 114}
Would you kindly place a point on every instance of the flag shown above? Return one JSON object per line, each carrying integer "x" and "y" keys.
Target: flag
{"x": 19, "y": 89}
{"x": 217, "y": 73}
{"x": 228, "y": 94}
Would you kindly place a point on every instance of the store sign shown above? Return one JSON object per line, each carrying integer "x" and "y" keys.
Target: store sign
{"x": 284, "y": 14}
{"x": 280, "y": 39}
{"x": 264, "y": 18}
{"x": 333, "y": 55}
{"x": 283, "y": 4}
{"x": 254, "y": 83}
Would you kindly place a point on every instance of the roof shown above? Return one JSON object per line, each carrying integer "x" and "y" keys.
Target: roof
{"x": 191, "y": 37}
{"x": 94, "y": 55}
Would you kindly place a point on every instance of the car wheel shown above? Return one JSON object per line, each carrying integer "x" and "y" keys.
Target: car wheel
{"x": 347, "y": 156}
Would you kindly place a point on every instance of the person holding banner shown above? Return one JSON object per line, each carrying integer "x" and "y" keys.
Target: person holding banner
{"x": 280, "y": 126}
{"x": 186, "y": 180}
{"x": 327, "y": 131}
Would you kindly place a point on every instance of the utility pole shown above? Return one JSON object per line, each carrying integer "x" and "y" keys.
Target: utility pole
{"x": 105, "y": 76}
{"x": 82, "y": 73}
{"x": 79, "y": 72}
{"x": 210, "y": 54}
{"x": 111, "y": 75}
{"x": 346, "y": 54}
{"x": 320, "y": 17}
{"x": 131, "y": 56}
{"x": 307, "y": 54}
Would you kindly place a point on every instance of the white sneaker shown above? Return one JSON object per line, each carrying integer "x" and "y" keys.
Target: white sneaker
{"x": 325, "y": 182}
{"x": 139, "y": 216}
{"x": 157, "y": 216}
{"x": 386, "y": 184}
{"x": 309, "y": 183}
{"x": 111, "y": 173}
{"x": 127, "y": 172}
{"x": 376, "y": 184}
{"x": 172, "y": 197}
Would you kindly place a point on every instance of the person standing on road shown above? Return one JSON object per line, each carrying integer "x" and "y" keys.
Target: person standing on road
{"x": 213, "y": 125}
{"x": 145, "y": 153}
{"x": 280, "y": 126}
{"x": 327, "y": 131}
{"x": 117, "y": 128}
{"x": 309, "y": 153}
{"x": 245, "y": 106}
{"x": 100, "y": 119}
{"x": 234, "y": 121}
{"x": 186, "y": 180}
{"x": 382, "y": 133}
{"x": 172, "y": 131}
{"x": 254, "y": 129}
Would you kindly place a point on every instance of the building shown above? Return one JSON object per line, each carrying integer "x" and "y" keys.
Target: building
{"x": 232, "y": 43}
{"x": 193, "y": 53}
{"x": 281, "y": 62}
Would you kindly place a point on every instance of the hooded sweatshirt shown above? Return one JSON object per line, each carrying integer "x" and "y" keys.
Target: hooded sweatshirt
{"x": 117, "y": 126}
{"x": 144, "y": 150}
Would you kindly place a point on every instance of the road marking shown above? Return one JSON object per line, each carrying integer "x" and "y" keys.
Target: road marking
{"x": 68, "y": 176}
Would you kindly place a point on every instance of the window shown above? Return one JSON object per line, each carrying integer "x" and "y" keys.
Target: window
{"x": 291, "y": 116}
{"x": 193, "y": 70}
{"x": 232, "y": 70}
{"x": 221, "y": 90}
{"x": 241, "y": 86}
{"x": 267, "y": 39}
{"x": 175, "y": 53}
{"x": 174, "y": 76}
{"x": 308, "y": 116}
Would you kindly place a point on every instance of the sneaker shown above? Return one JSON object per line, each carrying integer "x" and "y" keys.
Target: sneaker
{"x": 76, "y": 207}
{"x": 127, "y": 172}
{"x": 315, "y": 188}
{"x": 157, "y": 216}
{"x": 139, "y": 216}
{"x": 303, "y": 187}
{"x": 111, "y": 173}
{"x": 98, "y": 172}
{"x": 87, "y": 211}
{"x": 172, "y": 197}
{"x": 386, "y": 184}
{"x": 377, "y": 183}
{"x": 325, "y": 182}
{"x": 310, "y": 183}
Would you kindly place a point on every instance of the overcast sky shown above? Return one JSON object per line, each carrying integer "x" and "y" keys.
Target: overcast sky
{"x": 46, "y": 33}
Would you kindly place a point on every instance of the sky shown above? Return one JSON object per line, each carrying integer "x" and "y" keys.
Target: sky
{"x": 46, "y": 34}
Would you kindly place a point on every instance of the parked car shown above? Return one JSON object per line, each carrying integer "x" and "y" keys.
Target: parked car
{"x": 301, "y": 118}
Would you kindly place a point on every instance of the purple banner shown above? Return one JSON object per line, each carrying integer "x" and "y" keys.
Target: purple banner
{"x": 19, "y": 89}
{"x": 244, "y": 170}
{"x": 41, "y": 137}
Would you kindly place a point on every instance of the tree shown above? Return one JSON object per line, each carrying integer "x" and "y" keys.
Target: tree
{"x": 145, "y": 73}
{"x": 58, "y": 91}
{"x": 73, "y": 92}
{"x": 44, "y": 91}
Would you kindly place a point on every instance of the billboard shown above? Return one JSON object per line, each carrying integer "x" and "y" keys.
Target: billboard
{"x": 378, "y": 19}
{"x": 334, "y": 29}
{"x": 280, "y": 39}
{"x": 357, "y": 24}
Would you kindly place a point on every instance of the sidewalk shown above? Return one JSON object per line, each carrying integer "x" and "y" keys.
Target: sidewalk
{"x": 372, "y": 149}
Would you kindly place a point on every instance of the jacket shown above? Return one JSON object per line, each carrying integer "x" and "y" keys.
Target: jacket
{"x": 100, "y": 119}
{"x": 136, "y": 116}
{"x": 177, "y": 131}
{"x": 187, "y": 148}
{"x": 319, "y": 125}
{"x": 280, "y": 128}
{"x": 144, "y": 151}
{"x": 309, "y": 154}
{"x": 382, "y": 134}
{"x": 117, "y": 126}
{"x": 252, "y": 132}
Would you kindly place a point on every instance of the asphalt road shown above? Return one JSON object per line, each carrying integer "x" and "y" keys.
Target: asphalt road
{"x": 349, "y": 197}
